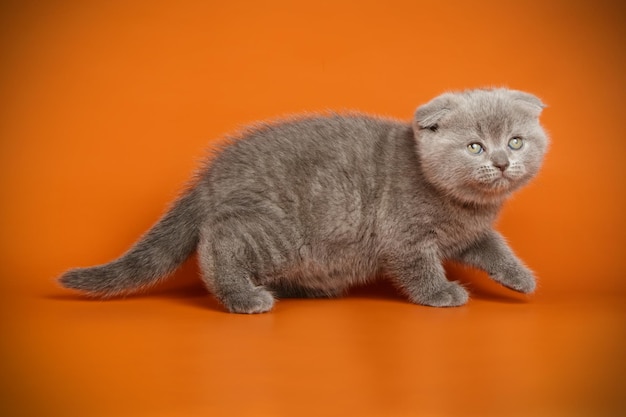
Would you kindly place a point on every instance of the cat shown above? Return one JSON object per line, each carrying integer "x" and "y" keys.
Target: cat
{"x": 311, "y": 206}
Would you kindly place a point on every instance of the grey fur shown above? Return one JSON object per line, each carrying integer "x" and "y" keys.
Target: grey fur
{"x": 312, "y": 206}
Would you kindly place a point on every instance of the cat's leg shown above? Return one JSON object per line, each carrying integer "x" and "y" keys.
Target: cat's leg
{"x": 493, "y": 255}
{"x": 227, "y": 271}
{"x": 420, "y": 275}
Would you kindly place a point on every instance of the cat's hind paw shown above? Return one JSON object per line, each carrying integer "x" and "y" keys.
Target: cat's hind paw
{"x": 249, "y": 302}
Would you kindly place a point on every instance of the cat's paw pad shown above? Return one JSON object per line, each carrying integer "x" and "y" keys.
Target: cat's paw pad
{"x": 250, "y": 302}
{"x": 452, "y": 295}
{"x": 518, "y": 279}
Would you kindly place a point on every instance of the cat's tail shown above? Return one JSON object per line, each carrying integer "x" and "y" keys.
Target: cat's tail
{"x": 155, "y": 255}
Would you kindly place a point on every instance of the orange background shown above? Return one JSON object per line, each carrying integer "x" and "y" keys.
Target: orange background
{"x": 106, "y": 108}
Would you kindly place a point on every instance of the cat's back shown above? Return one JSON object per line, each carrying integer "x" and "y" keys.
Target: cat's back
{"x": 304, "y": 145}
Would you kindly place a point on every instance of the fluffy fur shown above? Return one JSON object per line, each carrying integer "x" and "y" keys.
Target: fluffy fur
{"x": 310, "y": 207}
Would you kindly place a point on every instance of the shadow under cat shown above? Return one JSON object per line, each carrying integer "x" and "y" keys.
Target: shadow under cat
{"x": 186, "y": 287}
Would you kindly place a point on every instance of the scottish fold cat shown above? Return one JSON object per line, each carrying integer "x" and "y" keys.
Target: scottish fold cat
{"x": 312, "y": 206}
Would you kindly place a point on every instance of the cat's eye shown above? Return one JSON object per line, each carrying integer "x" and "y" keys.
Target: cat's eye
{"x": 516, "y": 143}
{"x": 475, "y": 148}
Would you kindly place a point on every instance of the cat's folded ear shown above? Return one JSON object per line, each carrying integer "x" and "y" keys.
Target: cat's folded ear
{"x": 530, "y": 102}
{"x": 428, "y": 115}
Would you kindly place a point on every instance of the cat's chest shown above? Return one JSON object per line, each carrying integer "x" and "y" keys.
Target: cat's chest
{"x": 456, "y": 230}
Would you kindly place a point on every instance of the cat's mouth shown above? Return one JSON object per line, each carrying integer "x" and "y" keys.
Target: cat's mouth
{"x": 502, "y": 182}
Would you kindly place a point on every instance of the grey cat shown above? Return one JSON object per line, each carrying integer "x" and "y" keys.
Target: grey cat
{"x": 312, "y": 206}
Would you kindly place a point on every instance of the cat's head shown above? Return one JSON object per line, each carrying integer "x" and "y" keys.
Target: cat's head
{"x": 479, "y": 146}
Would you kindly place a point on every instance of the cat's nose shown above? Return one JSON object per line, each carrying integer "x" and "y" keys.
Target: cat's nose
{"x": 500, "y": 161}
{"x": 502, "y": 166}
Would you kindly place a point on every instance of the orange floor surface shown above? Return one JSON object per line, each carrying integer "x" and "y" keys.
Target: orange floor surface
{"x": 177, "y": 353}
{"x": 106, "y": 110}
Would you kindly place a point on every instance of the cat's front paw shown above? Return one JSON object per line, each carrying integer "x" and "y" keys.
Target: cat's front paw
{"x": 517, "y": 278}
{"x": 451, "y": 295}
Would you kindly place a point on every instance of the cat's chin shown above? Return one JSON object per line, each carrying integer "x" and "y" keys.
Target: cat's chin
{"x": 494, "y": 193}
{"x": 486, "y": 199}
{"x": 479, "y": 193}
{"x": 477, "y": 198}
